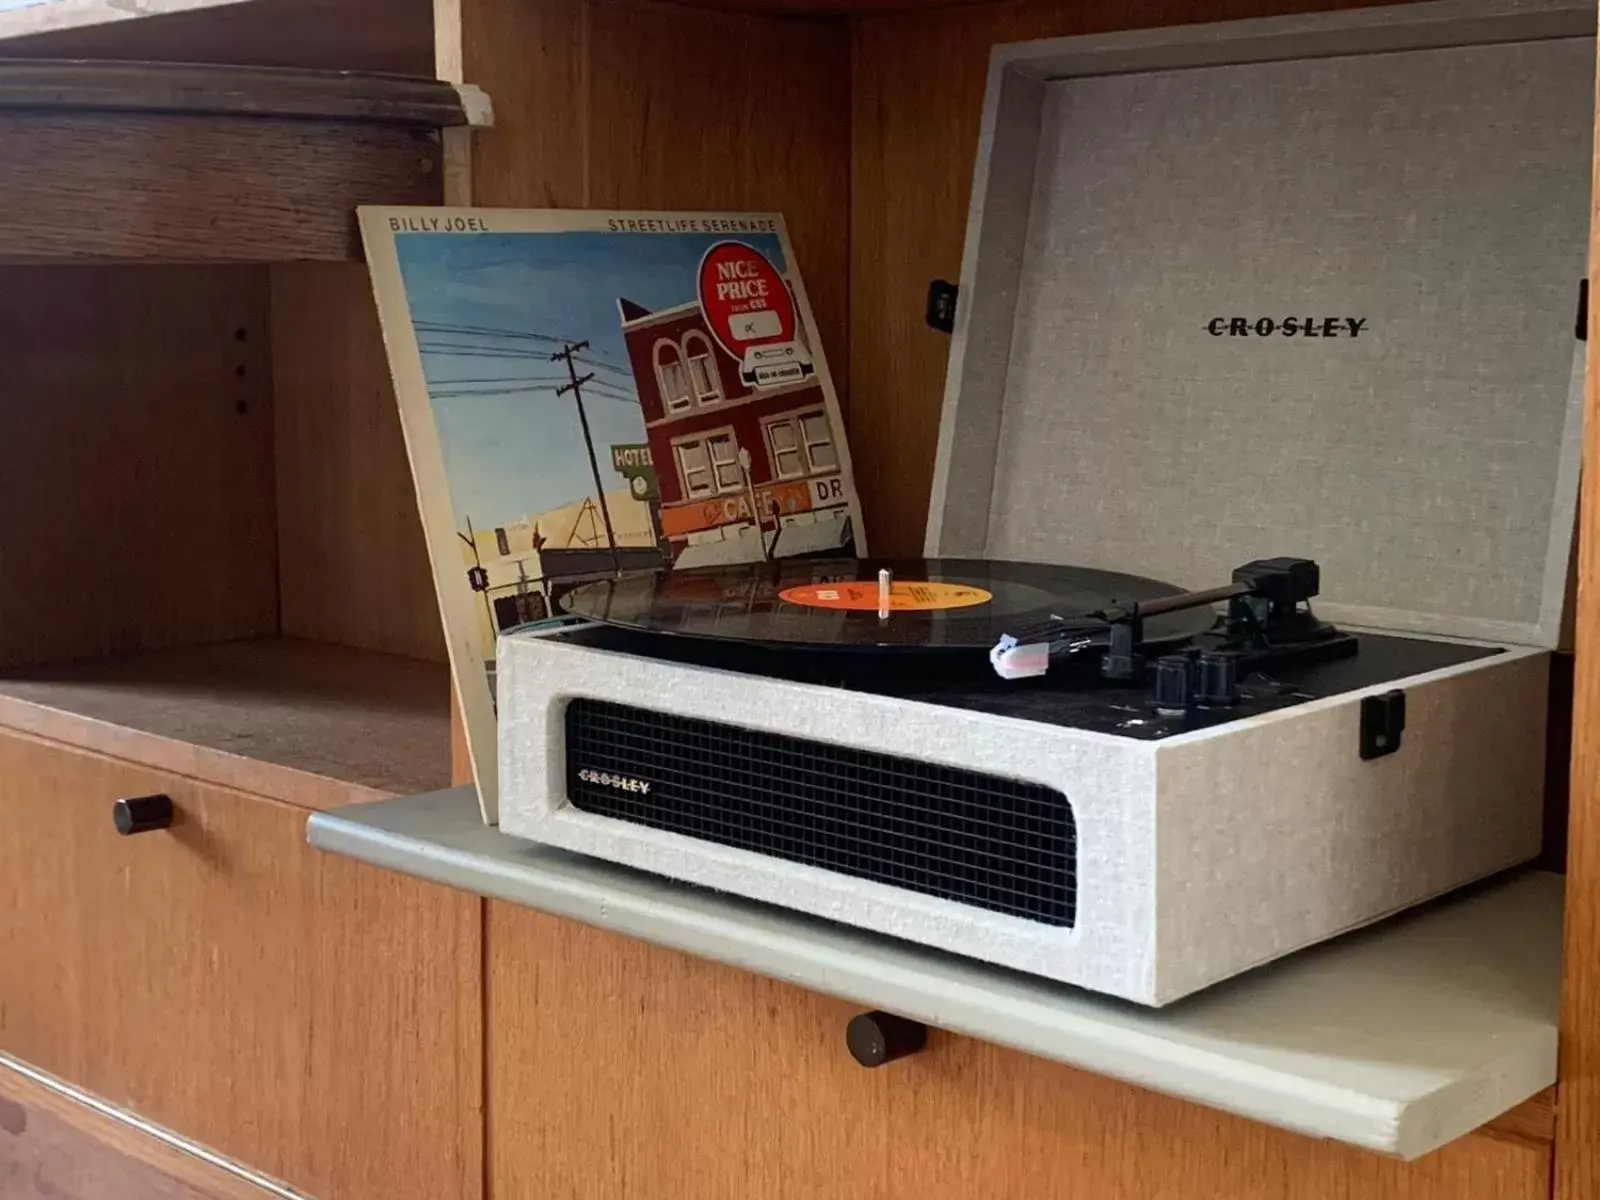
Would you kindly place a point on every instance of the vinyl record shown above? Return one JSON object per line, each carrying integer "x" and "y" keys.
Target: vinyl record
{"x": 935, "y": 604}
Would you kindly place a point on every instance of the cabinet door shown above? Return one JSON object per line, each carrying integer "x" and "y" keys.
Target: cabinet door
{"x": 630, "y": 1072}
{"x": 317, "y": 1020}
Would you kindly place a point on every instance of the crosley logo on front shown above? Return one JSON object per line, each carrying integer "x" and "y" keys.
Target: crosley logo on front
{"x": 623, "y": 783}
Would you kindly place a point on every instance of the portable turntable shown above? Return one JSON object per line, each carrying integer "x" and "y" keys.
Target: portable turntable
{"x": 1230, "y": 753}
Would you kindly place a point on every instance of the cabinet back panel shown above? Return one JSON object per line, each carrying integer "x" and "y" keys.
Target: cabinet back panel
{"x": 354, "y": 565}
{"x": 136, "y": 501}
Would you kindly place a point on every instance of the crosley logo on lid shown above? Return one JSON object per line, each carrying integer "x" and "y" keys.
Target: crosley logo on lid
{"x": 1310, "y": 327}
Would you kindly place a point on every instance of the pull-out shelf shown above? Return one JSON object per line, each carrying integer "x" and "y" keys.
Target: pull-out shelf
{"x": 1397, "y": 1038}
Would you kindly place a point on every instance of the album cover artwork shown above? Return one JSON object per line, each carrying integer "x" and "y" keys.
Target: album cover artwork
{"x": 587, "y": 394}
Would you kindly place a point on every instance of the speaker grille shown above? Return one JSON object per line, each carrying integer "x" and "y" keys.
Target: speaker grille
{"x": 978, "y": 839}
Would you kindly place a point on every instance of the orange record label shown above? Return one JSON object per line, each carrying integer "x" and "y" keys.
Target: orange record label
{"x": 914, "y": 595}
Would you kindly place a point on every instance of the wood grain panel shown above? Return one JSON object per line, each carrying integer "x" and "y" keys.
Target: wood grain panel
{"x": 201, "y": 189}
{"x": 54, "y": 1148}
{"x": 626, "y": 1071}
{"x": 341, "y": 35}
{"x": 353, "y": 563}
{"x": 917, "y": 98}
{"x": 136, "y": 503}
{"x": 665, "y": 107}
{"x": 1577, "y": 1174}
{"x": 1533, "y": 1122}
{"x": 316, "y": 1019}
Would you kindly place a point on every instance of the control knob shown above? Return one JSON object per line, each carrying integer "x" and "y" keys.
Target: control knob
{"x": 1217, "y": 679}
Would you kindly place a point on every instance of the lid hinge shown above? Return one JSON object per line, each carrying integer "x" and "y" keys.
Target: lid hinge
{"x": 941, "y": 312}
{"x": 1383, "y": 722}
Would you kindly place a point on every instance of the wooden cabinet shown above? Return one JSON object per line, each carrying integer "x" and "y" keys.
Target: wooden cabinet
{"x": 195, "y": 453}
{"x": 313, "y": 1018}
{"x": 205, "y": 509}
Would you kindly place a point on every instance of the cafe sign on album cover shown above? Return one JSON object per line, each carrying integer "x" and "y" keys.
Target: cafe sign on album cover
{"x": 588, "y": 393}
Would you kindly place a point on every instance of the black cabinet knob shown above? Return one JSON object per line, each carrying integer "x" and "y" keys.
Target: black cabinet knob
{"x": 876, "y": 1038}
{"x": 142, "y": 814}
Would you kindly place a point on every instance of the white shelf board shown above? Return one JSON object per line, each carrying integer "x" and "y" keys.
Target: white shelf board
{"x": 1398, "y": 1038}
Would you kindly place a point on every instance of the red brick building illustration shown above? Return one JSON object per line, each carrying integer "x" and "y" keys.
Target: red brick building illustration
{"x": 731, "y": 459}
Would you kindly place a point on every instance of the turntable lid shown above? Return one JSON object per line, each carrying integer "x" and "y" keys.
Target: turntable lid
{"x": 1300, "y": 286}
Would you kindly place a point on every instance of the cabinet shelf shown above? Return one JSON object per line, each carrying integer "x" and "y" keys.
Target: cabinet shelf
{"x": 1398, "y": 1038}
{"x": 308, "y": 723}
{"x": 119, "y": 161}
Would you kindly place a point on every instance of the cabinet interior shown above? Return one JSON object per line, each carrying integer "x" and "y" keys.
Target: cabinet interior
{"x": 209, "y": 454}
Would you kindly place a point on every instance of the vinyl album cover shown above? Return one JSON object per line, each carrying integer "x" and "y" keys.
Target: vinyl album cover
{"x": 586, "y": 394}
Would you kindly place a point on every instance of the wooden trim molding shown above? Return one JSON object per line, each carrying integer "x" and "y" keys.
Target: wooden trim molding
{"x": 195, "y": 89}
{"x": 1577, "y": 1160}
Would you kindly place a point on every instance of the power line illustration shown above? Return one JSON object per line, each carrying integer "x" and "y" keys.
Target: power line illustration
{"x": 575, "y": 386}
{"x": 505, "y": 350}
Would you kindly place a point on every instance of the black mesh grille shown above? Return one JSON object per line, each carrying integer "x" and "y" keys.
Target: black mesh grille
{"x": 979, "y": 839}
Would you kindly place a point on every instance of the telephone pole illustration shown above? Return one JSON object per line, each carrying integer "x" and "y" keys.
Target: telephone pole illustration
{"x": 478, "y": 577}
{"x": 565, "y": 354}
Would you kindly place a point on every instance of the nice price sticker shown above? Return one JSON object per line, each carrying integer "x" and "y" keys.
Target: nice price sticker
{"x": 745, "y": 300}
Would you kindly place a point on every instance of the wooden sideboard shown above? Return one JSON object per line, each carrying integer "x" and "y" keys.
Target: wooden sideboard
{"x": 203, "y": 484}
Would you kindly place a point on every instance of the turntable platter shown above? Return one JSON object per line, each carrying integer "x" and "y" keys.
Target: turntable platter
{"x": 934, "y": 604}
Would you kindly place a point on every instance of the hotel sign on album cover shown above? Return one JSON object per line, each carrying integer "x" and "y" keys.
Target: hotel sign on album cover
{"x": 589, "y": 393}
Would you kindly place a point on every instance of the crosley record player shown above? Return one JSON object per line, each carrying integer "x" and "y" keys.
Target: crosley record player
{"x": 1231, "y": 293}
